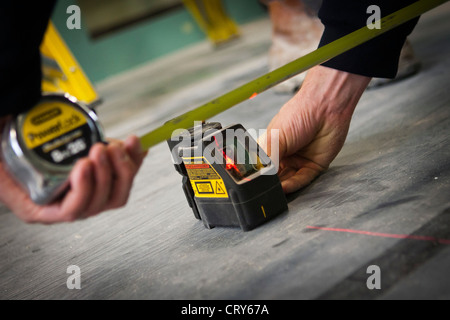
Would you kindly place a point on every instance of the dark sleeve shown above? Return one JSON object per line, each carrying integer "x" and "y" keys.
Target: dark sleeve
{"x": 376, "y": 58}
{"x": 22, "y": 26}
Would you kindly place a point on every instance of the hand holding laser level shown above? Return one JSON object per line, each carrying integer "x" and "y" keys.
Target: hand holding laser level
{"x": 314, "y": 124}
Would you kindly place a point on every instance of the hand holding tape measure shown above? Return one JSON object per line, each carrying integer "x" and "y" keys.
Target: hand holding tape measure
{"x": 41, "y": 147}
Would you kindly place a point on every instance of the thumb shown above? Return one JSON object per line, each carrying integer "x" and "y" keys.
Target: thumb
{"x": 262, "y": 142}
{"x": 269, "y": 141}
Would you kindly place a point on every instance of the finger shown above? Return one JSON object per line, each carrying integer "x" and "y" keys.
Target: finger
{"x": 124, "y": 170}
{"x": 112, "y": 140}
{"x": 301, "y": 179}
{"x": 262, "y": 142}
{"x": 134, "y": 149}
{"x": 76, "y": 201}
{"x": 286, "y": 173}
{"x": 272, "y": 141}
{"x": 102, "y": 179}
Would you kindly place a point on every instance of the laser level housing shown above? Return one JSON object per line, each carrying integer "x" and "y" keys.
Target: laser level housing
{"x": 228, "y": 180}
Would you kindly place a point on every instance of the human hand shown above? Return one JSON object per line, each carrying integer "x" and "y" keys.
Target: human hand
{"x": 313, "y": 125}
{"x": 99, "y": 182}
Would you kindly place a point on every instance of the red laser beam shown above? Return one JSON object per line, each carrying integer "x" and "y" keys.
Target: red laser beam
{"x": 384, "y": 235}
{"x": 229, "y": 163}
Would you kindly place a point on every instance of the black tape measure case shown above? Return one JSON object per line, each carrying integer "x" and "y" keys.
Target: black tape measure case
{"x": 228, "y": 180}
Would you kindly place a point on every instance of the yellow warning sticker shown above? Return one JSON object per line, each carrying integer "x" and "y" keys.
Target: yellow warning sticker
{"x": 204, "y": 187}
{"x": 205, "y": 180}
{"x": 48, "y": 121}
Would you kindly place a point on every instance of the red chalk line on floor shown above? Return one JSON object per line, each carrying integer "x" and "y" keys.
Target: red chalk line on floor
{"x": 384, "y": 235}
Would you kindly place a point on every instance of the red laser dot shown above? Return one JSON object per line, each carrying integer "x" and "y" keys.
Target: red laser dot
{"x": 229, "y": 163}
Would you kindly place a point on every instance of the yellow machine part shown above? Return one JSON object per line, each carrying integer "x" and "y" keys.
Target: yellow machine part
{"x": 212, "y": 18}
{"x": 61, "y": 71}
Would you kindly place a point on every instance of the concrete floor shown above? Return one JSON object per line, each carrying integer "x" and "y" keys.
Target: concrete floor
{"x": 391, "y": 178}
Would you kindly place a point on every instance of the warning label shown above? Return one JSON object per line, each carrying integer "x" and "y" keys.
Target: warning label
{"x": 219, "y": 188}
{"x": 205, "y": 180}
{"x": 204, "y": 187}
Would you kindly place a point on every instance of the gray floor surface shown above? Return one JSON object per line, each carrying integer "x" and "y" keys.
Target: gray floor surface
{"x": 391, "y": 178}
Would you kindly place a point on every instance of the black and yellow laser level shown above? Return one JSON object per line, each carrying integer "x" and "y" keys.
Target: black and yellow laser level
{"x": 228, "y": 180}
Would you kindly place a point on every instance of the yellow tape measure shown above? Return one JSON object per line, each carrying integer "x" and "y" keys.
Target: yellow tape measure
{"x": 40, "y": 147}
{"x": 283, "y": 73}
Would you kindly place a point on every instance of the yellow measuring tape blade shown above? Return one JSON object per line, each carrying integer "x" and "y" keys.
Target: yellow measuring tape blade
{"x": 285, "y": 72}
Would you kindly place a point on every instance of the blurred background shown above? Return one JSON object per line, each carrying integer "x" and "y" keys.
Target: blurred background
{"x": 118, "y": 35}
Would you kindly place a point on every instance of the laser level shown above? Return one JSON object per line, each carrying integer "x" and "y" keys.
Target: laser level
{"x": 228, "y": 179}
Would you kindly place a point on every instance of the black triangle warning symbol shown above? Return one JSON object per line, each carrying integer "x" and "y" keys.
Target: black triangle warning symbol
{"x": 219, "y": 189}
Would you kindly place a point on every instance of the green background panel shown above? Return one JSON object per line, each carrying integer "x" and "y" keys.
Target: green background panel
{"x": 142, "y": 42}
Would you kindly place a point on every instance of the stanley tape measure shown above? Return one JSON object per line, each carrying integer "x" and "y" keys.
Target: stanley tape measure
{"x": 41, "y": 146}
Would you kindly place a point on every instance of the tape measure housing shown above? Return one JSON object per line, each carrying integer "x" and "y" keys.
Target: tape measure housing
{"x": 41, "y": 146}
